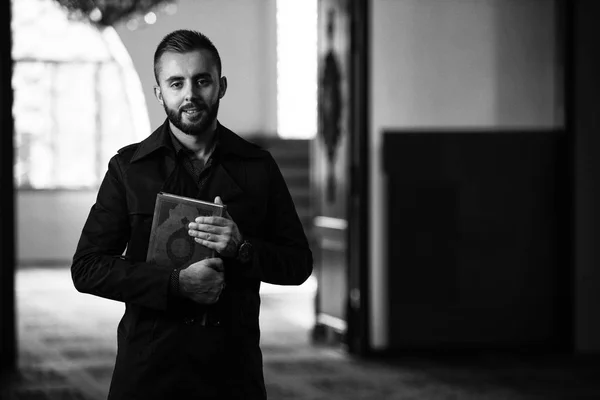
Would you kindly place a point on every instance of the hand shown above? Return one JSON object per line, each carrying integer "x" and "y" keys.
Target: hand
{"x": 217, "y": 233}
{"x": 203, "y": 281}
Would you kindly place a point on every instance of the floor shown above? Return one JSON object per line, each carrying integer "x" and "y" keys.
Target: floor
{"x": 67, "y": 350}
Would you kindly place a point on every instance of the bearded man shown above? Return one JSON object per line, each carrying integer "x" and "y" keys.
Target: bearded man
{"x": 191, "y": 333}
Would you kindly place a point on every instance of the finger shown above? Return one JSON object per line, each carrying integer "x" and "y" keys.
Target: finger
{"x": 211, "y": 245}
{"x": 210, "y": 237}
{"x": 205, "y": 228}
{"x": 215, "y": 263}
{"x": 216, "y": 221}
{"x": 219, "y": 201}
{"x": 214, "y": 244}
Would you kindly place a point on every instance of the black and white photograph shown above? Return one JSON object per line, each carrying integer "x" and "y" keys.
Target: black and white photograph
{"x": 299, "y": 199}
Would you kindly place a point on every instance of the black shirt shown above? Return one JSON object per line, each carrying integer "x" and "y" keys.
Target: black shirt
{"x": 200, "y": 172}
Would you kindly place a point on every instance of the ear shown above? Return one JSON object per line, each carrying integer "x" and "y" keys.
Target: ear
{"x": 158, "y": 95}
{"x": 222, "y": 86}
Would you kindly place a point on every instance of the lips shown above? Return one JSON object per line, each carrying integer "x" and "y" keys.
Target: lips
{"x": 191, "y": 107}
{"x": 192, "y": 112}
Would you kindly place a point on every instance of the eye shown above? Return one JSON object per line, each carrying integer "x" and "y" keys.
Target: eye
{"x": 204, "y": 81}
{"x": 176, "y": 85}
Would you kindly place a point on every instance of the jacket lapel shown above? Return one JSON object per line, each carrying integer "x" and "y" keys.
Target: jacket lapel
{"x": 222, "y": 184}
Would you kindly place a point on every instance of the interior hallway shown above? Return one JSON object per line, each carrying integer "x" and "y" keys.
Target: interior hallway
{"x": 67, "y": 350}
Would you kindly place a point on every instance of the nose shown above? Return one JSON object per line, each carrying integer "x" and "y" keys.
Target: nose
{"x": 191, "y": 92}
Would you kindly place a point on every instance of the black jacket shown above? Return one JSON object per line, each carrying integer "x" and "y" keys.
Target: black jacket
{"x": 162, "y": 352}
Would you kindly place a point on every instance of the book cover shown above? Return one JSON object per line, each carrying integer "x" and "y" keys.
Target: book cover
{"x": 170, "y": 245}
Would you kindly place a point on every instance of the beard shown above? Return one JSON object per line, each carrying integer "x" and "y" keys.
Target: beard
{"x": 197, "y": 127}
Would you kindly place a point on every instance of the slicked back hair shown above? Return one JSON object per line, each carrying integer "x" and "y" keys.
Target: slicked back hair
{"x": 184, "y": 41}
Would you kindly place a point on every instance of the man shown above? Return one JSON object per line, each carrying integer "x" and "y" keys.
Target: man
{"x": 191, "y": 333}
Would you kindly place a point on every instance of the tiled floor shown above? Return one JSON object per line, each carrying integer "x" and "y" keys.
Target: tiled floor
{"x": 67, "y": 349}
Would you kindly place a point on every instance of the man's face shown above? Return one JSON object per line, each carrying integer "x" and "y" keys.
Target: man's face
{"x": 189, "y": 88}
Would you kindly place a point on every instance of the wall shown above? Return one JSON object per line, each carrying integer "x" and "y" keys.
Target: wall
{"x": 49, "y": 224}
{"x": 244, "y": 32}
{"x": 447, "y": 64}
{"x": 586, "y": 125}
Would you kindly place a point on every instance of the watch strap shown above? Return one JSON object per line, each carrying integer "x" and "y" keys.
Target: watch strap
{"x": 244, "y": 252}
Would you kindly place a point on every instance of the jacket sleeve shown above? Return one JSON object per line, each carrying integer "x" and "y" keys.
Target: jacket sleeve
{"x": 283, "y": 256}
{"x": 98, "y": 265}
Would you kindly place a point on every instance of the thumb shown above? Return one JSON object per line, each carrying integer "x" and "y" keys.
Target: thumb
{"x": 216, "y": 264}
{"x": 219, "y": 201}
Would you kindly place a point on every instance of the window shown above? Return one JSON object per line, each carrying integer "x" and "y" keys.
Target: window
{"x": 77, "y": 98}
{"x": 297, "y": 68}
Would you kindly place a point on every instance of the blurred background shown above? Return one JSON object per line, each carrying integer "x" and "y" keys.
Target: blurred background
{"x": 440, "y": 154}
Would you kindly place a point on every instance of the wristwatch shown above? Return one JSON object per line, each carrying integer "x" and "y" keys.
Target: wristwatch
{"x": 245, "y": 252}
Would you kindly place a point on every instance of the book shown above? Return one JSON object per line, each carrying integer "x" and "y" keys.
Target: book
{"x": 170, "y": 244}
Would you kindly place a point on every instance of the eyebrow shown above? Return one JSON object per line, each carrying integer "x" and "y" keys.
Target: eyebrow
{"x": 180, "y": 78}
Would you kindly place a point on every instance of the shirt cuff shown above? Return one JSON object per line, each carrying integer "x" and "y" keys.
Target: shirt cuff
{"x": 174, "y": 283}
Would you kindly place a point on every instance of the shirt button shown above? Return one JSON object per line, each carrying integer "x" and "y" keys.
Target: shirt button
{"x": 188, "y": 321}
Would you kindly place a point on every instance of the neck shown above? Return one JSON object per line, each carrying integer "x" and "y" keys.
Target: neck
{"x": 202, "y": 145}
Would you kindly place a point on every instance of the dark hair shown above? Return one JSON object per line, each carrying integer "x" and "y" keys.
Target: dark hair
{"x": 184, "y": 41}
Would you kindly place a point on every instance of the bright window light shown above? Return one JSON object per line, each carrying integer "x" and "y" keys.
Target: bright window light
{"x": 88, "y": 100}
{"x": 297, "y": 69}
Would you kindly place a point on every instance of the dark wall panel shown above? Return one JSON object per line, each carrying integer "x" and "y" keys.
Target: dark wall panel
{"x": 583, "y": 94}
{"x": 476, "y": 227}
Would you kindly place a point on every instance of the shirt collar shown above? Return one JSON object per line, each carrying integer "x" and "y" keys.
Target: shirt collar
{"x": 228, "y": 144}
{"x": 179, "y": 148}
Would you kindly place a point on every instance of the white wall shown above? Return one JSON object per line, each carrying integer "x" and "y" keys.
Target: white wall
{"x": 49, "y": 224}
{"x": 244, "y": 32}
{"x": 453, "y": 63}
